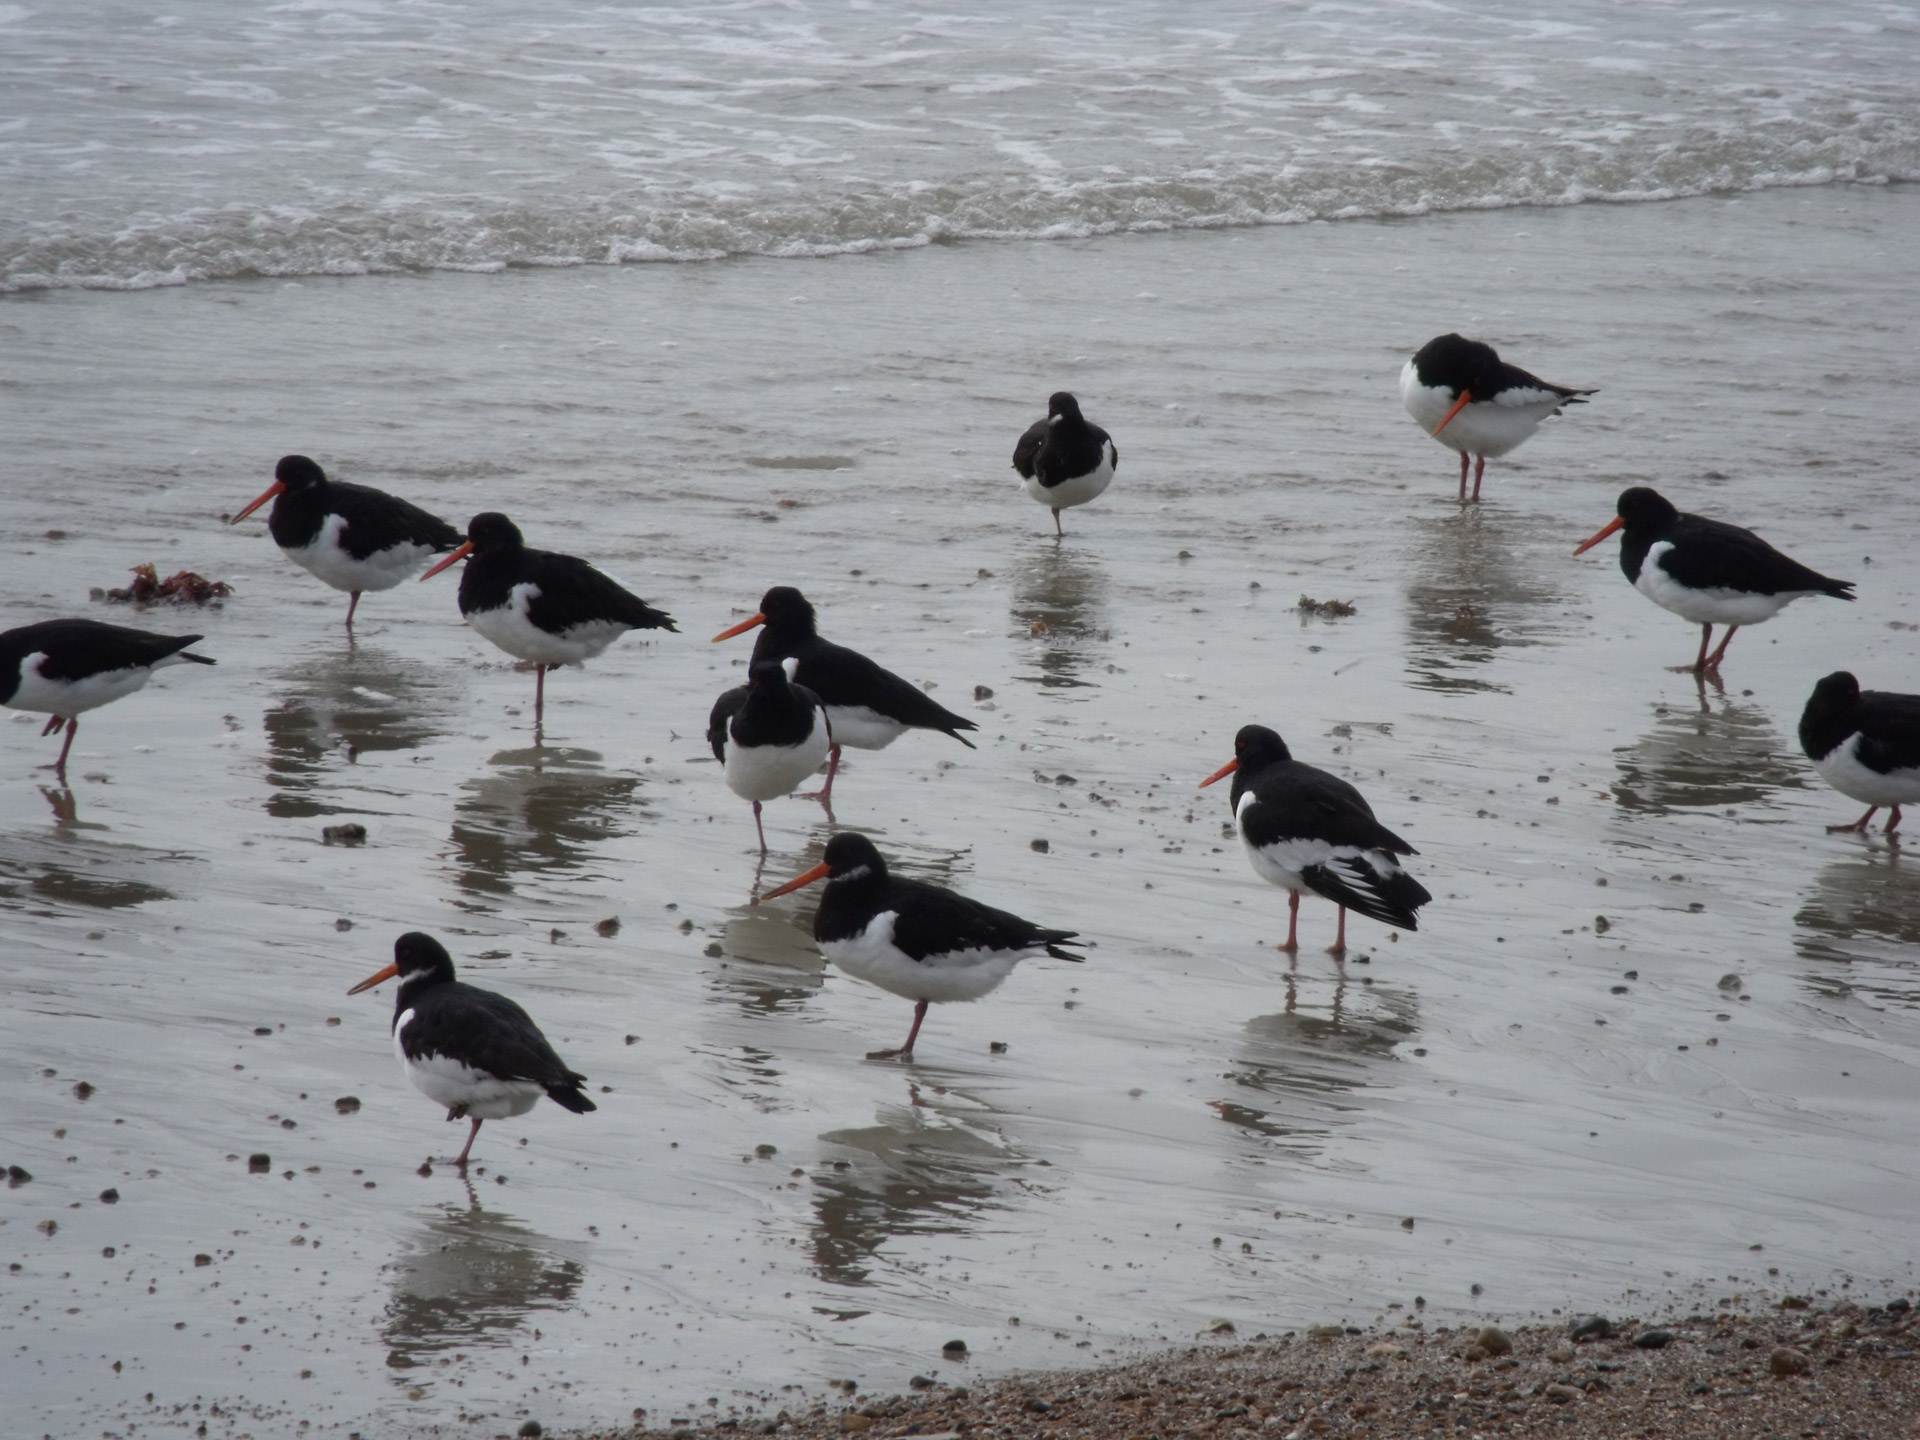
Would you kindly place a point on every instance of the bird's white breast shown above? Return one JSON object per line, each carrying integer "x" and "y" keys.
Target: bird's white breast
{"x": 71, "y": 697}
{"x": 1705, "y": 607}
{"x": 766, "y": 772}
{"x": 324, "y": 557}
{"x": 1483, "y": 427}
{"x": 510, "y": 627}
{"x": 1840, "y": 767}
{"x": 1080, "y": 489}
{"x": 957, "y": 975}
{"x": 451, "y": 1083}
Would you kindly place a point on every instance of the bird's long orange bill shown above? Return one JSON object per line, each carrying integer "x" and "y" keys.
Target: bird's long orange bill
{"x": 818, "y": 872}
{"x": 276, "y": 488}
{"x": 1466, "y": 399}
{"x": 1605, "y": 530}
{"x": 1222, "y": 773}
{"x": 373, "y": 980}
{"x": 740, "y": 629}
{"x": 465, "y": 550}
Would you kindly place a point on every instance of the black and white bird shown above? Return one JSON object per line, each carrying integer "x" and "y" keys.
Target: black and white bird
{"x": 1465, "y": 396}
{"x": 1864, "y": 743}
{"x": 1065, "y": 459}
{"x": 64, "y": 668}
{"x": 869, "y": 707}
{"x": 769, "y": 735}
{"x": 913, "y": 939}
{"x": 1307, "y": 830}
{"x": 473, "y": 1051}
{"x": 548, "y": 609}
{"x": 1705, "y": 570}
{"x": 352, "y": 536}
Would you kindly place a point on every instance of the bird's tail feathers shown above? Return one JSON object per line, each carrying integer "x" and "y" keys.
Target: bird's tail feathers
{"x": 568, "y": 1095}
{"x": 1371, "y": 885}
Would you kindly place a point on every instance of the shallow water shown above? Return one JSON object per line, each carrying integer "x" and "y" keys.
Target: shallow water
{"x": 1559, "y": 1133}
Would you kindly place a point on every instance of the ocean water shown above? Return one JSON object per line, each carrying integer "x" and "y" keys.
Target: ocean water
{"x": 1703, "y": 1101}
{"x": 211, "y": 140}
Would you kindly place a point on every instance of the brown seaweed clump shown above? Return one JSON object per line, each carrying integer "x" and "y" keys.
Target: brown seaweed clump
{"x": 183, "y": 587}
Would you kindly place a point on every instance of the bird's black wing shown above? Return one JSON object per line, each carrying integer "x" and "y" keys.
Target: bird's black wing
{"x": 1515, "y": 382}
{"x": 573, "y": 593}
{"x": 1298, "y": 802}
{"x": 840, "y": 676}
{"x": 1889, "y": 727}
{"x": 1711, "y": 554}
{"x": 76, "y": 649}
{"x": 730, "y": 704}
{"x": 930, "y": 920}
{"x": 501, "y": 1039}
{"x": 1028, "y": 449}
{"x": 377, "y": 521}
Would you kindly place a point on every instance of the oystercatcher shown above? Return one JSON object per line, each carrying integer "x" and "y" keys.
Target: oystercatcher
{"x": 473, "y": 1051}
{"x": 1065, "y": 459}
{"x": 1465, "y": 396}
{"x": 66, "y": 667}
{"x": 1705, "y": 570}
{"x": 353, "y": 537}
{"x": 916, "y": 940}
{"x": 869, "y": 708}
{"x": 549, "y": 609}
{"x": 1864, "y": 743}
{"x": 769, "y": 735}
{"x": 1307, "y": 830}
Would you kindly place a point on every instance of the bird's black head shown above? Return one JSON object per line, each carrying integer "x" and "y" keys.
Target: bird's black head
{"x": 490, "y": 532}
{"x": 1255, "y": 747}
{"x": 789, "y": 614}
{"x": 850, "y": 857}
{"x": 1457, "y": 363}
{"x": 767, "y": 675}
{"x": 1831, "y": 714}
{"x": 418, "y": 953}
{"x": 1063, "y": 404}
{"x": 297, "y": 473}
{"x": 1645, "y": 509}
{"x": 1837, "y": 690}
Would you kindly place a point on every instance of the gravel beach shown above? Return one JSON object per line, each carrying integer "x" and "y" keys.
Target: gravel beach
{"x": 1840, "y": 1370}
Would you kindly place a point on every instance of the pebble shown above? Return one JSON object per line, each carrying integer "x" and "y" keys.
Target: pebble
{"x": 954, "y": 1348}
{"x": 1589, "y": 1327}
{"x": 1561, "y": 1353}
{"x": 1785, "y": 1361}
{"x": 1039, "y": 847}
{"x": 1653, "y": 1340}
{"x": 18, "y": 1175}
{"x": 351, "y": 833}
{"x": 1561, "y": 1394}
{"x": 1494, "y": 1340}
{"x": 531, "y": 1430}
{"x": 608, "y": 928}
{"x": 109, "y": 1197}
{"x": 854, "y": 1424}
{"x": 259, "y": 1164}
{"x": 347, "y": 1105}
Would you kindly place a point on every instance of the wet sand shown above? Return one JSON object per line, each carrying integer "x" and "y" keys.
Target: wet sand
{"x": 1570, "y": 1117}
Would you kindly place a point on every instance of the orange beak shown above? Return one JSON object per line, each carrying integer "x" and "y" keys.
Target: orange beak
{"x": 466, "y": 549}
{"x": 740, "y": 629}
{"x": 1466, "y": 399}
{"x": 818, "y": 872}
{"x": 373, "y": 980}
{"x": 1605, "y": 530}
{"x": 1222, "y": 773}
{"x": 276, "y": 488}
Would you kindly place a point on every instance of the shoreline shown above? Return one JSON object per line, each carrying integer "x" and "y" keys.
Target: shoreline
{"x": 1798, "y": 1368}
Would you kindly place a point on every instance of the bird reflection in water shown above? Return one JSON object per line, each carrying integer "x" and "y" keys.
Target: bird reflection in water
{"x": 1059, "y": 604}
{"x": 472, "y": 1277}
{"x": 1860, "y": 924}
{"x": 362, "y": 701}
{"x": 75, "y": 865}
{"x": 1474, "y": 587}
{"x": 931, "y": 1167}
{"x": 1715, "y": 753}
{"x": 537, "y": 812}
{"x": 1302, "y": 1072}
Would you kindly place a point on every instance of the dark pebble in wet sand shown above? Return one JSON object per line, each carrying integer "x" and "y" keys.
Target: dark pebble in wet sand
{"x": 18, "y": 1175}
{"x": 425, "y": 1171}
{"x": 531, "y": 1430}
{"x": 921, "y": 1382}
{"x": 347, "y": 1105}
{"x": 348, "y": 834}
{"x": 983, "y": 692}
{"x": 1653, "y": 1340}
{"x": 713, "y": 951}
{"x": 263, "y": 1030}
{"x": 109, "y": 1197}
{"x": 1601, "y": 924}
{"x": 82, "y": 1091}
{"x": 953, "y": 1348}
{"x": 1731, "y": 984}
{"x": 202, "y": 1260}
{"x": 1788, "y": 1361}
{"x": 1494, "y": 1340}
{"x": 1589, "y": 1327}
{"x": 996, "y": 1047}
{"x": 343, "y": 923}
{"x": 259, "y": 1164}
{"x": 1039, "y": 847}
{"x": 608, "y": 928}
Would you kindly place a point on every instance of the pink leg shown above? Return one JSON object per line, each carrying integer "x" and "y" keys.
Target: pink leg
{"x": 539, "y": 694}
{"x": 761, "y": 828}
{"x": 1893, "y": 820}
{"x": 1725, "y": 640}
{"x": 52, "y": 725}
{"x": 825, "y": 793}
{"x": 60, "y": 765}
{"x": 1339, "y": 946}
{"x": 352, "y": 605}
{"x": 1859, "y": 827}
{"x": 1463, "y": 477}
{"x": 1699, "y": 666}
{"x": 467, "y": 1149}
{"x": 905, "y": 1052}
{"x": 1479, "y": 469}
{"x": 1293, "y": 922}
{"x": 1056, "y": 524}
